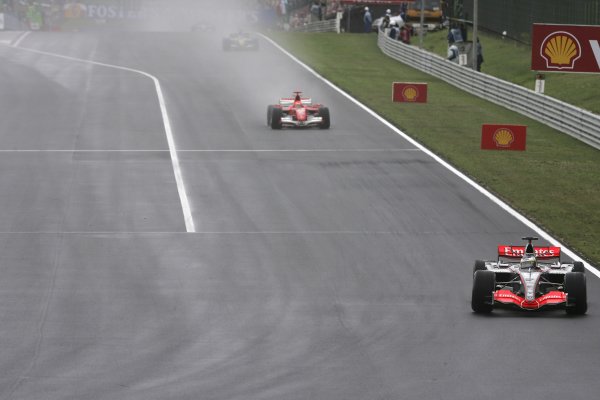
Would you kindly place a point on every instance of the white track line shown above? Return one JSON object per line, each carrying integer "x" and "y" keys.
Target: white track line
{"x": 20, "y": 38}
{"x": 211, "y": 151}
{"x": 185, "y": 205}
{"x": 479, "y": 188}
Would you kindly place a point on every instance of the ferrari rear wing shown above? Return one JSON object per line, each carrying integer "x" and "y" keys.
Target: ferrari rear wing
{"x": 515, "y": 252}
{"x": 288, "y": 102}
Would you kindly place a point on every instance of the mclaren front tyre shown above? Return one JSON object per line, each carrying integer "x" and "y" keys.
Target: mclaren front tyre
{"x": 482, "y": 297}
{"x": 576, "y": 290}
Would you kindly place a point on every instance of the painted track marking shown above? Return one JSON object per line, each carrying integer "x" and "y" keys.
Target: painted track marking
{"x": 455, "y": 171}
{"x": 185, "y": 204}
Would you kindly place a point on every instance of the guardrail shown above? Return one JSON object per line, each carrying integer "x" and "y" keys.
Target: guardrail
{"x": 574, "y": 121}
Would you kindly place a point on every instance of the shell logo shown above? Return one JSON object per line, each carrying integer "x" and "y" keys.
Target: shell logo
{"x": 503, "y": 137}
{"x": 560, "y": 50}
{"x": 410, "y": 93}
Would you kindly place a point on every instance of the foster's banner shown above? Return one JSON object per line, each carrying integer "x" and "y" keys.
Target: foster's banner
{"x": 409, "y": 92}
{"x": 503, "y": 137}
{"x": 565, "y": 48}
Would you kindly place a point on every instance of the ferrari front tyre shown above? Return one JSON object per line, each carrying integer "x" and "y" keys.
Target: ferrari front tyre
{"x": 276, "y": 118}
{"x": 482, "y": 297}
{"x": 576, "y": 291}
{"x": 479, "y": 266}
{"x": 324, "y": 113}
{"x": 269, "y": 114}
{"x": 578, "y": 267}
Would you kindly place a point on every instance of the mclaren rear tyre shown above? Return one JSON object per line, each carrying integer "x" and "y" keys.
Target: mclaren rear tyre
{"x": 578, "y": 267}
{"x": 479, "y": 266}
{"x": 324, "y": 113}
{"x": 482, "y": 297}
{"x": 576, "y": 291}
{"x": 269, "y": 114}
{"x": 276, "y": 118}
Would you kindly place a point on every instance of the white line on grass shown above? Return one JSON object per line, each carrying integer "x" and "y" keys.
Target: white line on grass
{"x": 185, "y": 205}
{"x": 479, "y": 188}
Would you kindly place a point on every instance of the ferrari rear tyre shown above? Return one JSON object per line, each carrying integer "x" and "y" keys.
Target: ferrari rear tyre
{"x": 578, "y": 267}
{"x": 479, "y": 266}
{"x": 276, "y": 118}
{"x": 576, "y": 291}
{"x": 482, "y": 298}
{"x": 324, "y": 113}
{"x": 269, "y": 114}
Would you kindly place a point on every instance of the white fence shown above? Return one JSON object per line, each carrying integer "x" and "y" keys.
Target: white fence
{"x": 330, "y": 25}
{"x": 574, "y": 121}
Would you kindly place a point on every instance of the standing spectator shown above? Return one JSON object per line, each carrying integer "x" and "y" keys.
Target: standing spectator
{"x": 404, "y": 35}
{"x": 315, "y": 11}
{"x": 455, "y": 35}
{"x": 368, "y": 20}
{"x": 479, "y": 55}
{"x": 394, "y": 31}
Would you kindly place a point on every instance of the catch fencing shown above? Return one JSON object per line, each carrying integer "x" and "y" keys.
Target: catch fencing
{"x": 574, "y": 121}
{"x": 330, "y": 25}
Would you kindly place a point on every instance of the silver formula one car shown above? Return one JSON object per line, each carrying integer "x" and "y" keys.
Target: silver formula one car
{"x": 529, "y": 278}
{"x": 298, "y": 112}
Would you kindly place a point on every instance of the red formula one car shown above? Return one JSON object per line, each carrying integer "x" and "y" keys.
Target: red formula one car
{"x": 529, "y": 278}
{"x": 298, "y": 112}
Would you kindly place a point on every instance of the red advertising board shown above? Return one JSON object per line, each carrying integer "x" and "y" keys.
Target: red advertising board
{"x": 565, "y": 48}
{"x": 408, "y": 92}
{"x": 503, "y": 137}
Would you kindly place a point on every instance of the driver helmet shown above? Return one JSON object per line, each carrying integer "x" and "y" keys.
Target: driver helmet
{"x": 366, "y": 8}
{"x": 528, "y": 261}
{"x": 388, "y": 11}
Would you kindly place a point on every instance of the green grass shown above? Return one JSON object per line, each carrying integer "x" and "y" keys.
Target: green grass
{"x": 555, "y": 183}
{"x": 511, "y": 61}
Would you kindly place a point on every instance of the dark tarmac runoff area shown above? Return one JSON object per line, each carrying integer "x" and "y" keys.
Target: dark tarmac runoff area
{"x": 212, "y": 258}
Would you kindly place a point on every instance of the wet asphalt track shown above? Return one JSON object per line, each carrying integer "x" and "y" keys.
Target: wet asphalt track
{"x": 331, "y": 265}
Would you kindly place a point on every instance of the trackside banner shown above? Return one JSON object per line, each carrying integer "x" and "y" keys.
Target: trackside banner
{"x": 565, "y": 48}
{"x": 409, "y": 92}
{"x": 503, "y": 137}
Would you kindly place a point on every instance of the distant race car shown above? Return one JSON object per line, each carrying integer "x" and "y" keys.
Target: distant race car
{"x": 529, "y": 278}
{"x": 298, "y": 112}
{"x": 241, "y": 41}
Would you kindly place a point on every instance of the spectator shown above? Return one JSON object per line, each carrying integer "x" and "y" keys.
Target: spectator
{"x": 394, "y": 31}
{"x": 404, "y": 35}
{"x": 453, "y": 53}
{"x": 479, "y": 55}
{"x": 368, "y": 20}
{"x": 455, "y": 36}
{"x": 385, "y": 23}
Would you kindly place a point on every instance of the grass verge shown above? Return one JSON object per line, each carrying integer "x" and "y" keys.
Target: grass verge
{"x": 555, "y": 183}
{"x": 511, "y": 61}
